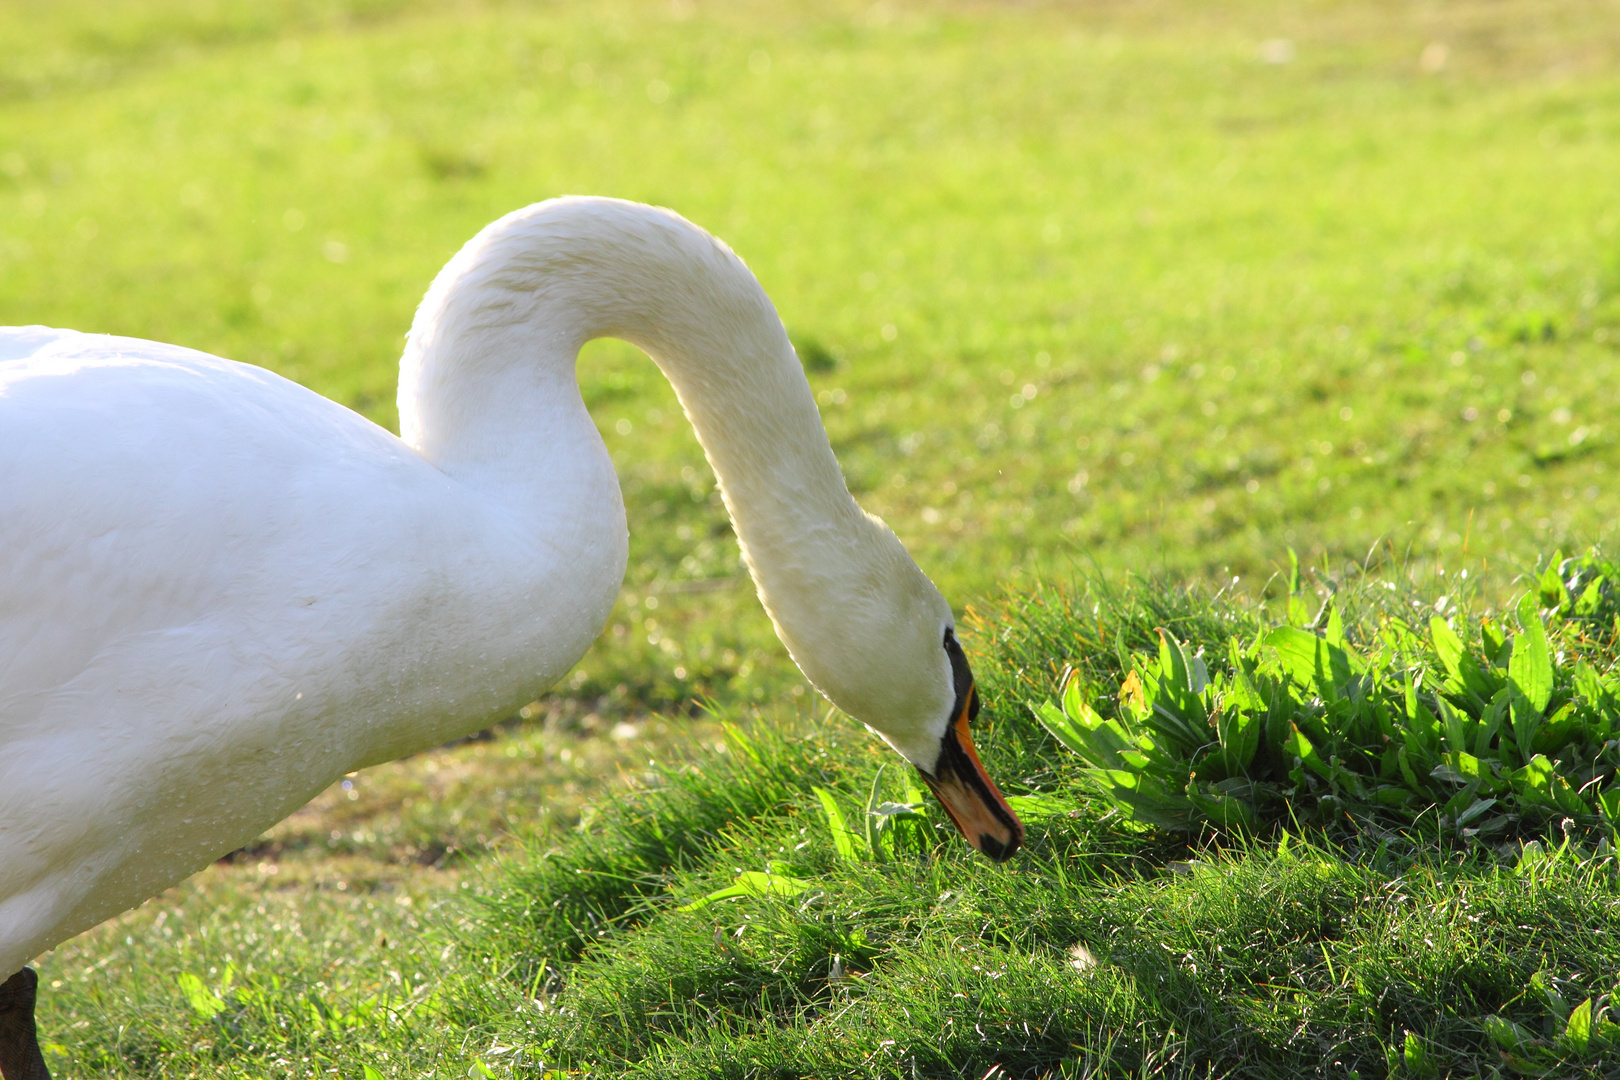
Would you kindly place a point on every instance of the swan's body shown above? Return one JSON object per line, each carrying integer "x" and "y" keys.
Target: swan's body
{"x": 220, "y": 591}
{"x": 184, "y": 663}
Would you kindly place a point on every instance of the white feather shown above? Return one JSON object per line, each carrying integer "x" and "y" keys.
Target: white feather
{"x": 220, "y": 591}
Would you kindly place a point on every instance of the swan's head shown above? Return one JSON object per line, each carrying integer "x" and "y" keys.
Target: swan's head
{"x": 879, "y": 641}
{"x": 958, "y": 778}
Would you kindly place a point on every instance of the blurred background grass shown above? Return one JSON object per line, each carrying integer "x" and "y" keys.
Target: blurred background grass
{"x": 1152, "y": 286}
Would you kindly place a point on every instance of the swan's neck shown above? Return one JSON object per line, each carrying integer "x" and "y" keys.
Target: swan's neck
{"x": 491, "y": 355}
{"x": 487, "y": 391}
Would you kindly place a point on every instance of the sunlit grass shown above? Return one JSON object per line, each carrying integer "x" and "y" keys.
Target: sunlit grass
{"x": 1100, "y": 951}
{"x": 1111, "y": 285}
{"x": 1166, "y": 287}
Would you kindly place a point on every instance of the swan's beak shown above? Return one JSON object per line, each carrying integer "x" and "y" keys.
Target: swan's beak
{"x": 969, "y": 795}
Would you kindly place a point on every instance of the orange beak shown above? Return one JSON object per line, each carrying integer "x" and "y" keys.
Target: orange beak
{"x": 968, "y": 794}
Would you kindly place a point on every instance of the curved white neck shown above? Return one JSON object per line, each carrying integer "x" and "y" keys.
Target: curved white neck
{"x": 497, "y": 336}
{"x": 491, "y": 357}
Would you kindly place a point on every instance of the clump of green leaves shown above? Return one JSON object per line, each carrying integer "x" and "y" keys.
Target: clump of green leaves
{"x": 1488, "y": 730}
{"x": 1584, "y": 591}
{"x": 1583, "y": 1032}
{"x": 890, "y": 829}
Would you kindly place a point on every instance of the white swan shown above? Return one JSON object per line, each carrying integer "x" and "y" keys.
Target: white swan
{"x": 220, "y": 591}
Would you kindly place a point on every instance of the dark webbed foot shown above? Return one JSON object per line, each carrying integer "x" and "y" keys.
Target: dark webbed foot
{"x": 20, "y": 1058}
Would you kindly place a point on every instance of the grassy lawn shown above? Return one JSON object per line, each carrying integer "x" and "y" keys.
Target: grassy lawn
{"x": 1162, "y": 288}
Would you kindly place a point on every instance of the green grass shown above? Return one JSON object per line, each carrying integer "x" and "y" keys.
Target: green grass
{"x": 1093, "y": 286}
{"x": 1365, "y": 949}
{"x": 1193, "y": 262}
{"x": 615, "y": 949}
{"x": 1483, "y": 732}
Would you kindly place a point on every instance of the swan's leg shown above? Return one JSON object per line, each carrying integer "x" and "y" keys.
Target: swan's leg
{"x": 20, "y": 1058}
